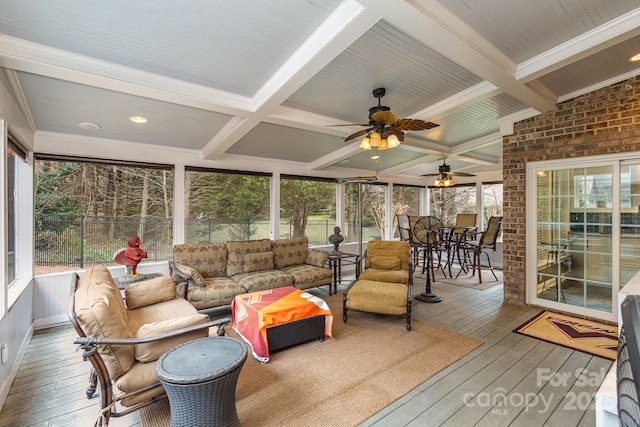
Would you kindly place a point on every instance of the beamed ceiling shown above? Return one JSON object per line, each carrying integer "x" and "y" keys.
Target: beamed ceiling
{"x": 234, "y": 80}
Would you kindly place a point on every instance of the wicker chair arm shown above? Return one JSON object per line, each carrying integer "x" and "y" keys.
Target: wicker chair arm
{"x": 93, "y": 341}
{"x": 181, "y": 279}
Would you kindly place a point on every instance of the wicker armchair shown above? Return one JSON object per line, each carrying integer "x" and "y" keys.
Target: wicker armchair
{"x": 384, "y": 286}
{"x": 123, "y": 343}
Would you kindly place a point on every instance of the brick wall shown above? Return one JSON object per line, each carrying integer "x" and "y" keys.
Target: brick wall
{"x": 601, "y": 122}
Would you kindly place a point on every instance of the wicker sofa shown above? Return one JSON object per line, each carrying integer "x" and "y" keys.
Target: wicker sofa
{"x": 211, "y": 275}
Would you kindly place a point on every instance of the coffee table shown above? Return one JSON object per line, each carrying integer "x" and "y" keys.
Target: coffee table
{"x": 279, "y": 318}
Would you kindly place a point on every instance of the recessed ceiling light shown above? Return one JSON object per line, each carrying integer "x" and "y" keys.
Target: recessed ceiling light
{"x": 635, "y": 58}
{"x": 138, "y": 119}
{"x": 89, "y": 126}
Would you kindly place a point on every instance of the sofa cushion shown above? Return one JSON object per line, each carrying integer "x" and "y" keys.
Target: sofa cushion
{"x": 386, "y": 262}
{"x": 288, "y": 252}
{"x": 258, "y": 262}
{"x": 101, "y": 313}
{"x": 317, "y": 257}
{"x": 193, "y": 276}
{"x": 262, "y": 280}
{"x": 209, "y": 259}
{"x": 150, "y": 292}
{"x": 238, "y": 250}
{"x": 151, "y": 351}
{"x": 306, "y": 276}
{"x": 218, "y": 291}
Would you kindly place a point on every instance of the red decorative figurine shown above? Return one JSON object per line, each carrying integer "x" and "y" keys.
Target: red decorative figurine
{"x": 131, "y": 256}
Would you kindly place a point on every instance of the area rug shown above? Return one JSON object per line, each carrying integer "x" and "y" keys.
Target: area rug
{"x": 587, "y": 336}
{"x": 467, "y": 280}
{"x": 371, "y": 362}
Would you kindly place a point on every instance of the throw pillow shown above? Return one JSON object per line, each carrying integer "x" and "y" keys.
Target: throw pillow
{"x": 193, "y": 275}
{"x": 386, "y": 262}
{"x": 317, "y": 257}
{"x": 150, "y": 292}
{"x": 151, "y": 351}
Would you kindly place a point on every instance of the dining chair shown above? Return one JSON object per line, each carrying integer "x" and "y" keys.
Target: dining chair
{"x": 430, "y": 231}
{"x": 473, "y": 249}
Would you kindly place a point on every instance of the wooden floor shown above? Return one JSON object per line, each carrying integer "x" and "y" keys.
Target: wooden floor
{"x": 510, "y": 380}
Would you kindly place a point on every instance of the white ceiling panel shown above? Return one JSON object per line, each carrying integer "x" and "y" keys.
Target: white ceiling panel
{"x": 523, "y": 29}
{"x": 59, "y": 106}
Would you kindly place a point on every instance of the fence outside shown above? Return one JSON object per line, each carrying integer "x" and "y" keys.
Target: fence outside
{"x": 85, "y": 240}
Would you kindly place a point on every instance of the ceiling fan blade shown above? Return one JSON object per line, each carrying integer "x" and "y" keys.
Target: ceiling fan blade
{"x": 431, "y": 174}
{"x": 413, "y": 124}
{"x": 390, "y": 131}
{"x": 357, "y": 134}
{"x": 459, "y": 174}
{"x": 386, "y": 117}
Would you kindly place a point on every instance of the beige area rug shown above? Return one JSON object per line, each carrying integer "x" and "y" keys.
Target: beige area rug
{"x": 371, "y": 361}
{"x": 467, "y": 280}
{"x": 587, "y": 336}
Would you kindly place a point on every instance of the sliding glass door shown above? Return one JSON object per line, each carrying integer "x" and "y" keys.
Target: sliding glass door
{"x": 574, "y": 238}
{"x": 629, "y": 221}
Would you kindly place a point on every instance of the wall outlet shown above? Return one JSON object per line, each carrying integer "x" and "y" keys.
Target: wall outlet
{"x": 4, "y": 354}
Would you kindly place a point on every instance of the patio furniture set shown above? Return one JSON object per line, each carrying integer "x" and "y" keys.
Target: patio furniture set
{"x": 154, "y": 341}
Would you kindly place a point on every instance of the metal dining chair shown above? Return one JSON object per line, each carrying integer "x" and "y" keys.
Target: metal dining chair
{"x": 473, "y": 249}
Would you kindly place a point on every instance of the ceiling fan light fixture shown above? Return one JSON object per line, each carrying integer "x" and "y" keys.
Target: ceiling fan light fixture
{"x": 375, "y": 139}
{"x": 365, "y": 145}
{"x": 383, "y": 145}
{"x": 393, "y": 141}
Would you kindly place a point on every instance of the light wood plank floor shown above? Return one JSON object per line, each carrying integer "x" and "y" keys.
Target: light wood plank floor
{"x": 511, "y": 380}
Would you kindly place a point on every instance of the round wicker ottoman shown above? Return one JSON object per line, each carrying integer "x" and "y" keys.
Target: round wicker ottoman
{"x": 200, "y": 378}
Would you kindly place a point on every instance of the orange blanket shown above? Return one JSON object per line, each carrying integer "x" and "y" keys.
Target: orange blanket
{"x": 253, "y": 313}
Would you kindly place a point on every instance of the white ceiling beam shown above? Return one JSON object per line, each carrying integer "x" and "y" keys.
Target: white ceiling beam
{"x": 35, "y": 58}
{"x": 407, "y": 165}
{"x": 335, "y": 157}
{"x": 476, "y": 159}
{"x": 343, "y": 27}
{"x": 438, "y": 28}
{"x": 506, "y": 122}
{"x": 606, "y": 35}
{"x": 458, "y": 102}
{"x": 477, "y": 143}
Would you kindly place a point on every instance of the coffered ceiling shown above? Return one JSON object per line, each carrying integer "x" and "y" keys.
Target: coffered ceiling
{"x": 270, "y": 79}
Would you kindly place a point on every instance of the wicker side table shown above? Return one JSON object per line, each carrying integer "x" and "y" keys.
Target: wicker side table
{"x": 200, "y": 378}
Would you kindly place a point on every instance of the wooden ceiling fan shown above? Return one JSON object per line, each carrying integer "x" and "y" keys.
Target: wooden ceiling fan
{"x": 385, "y": 124}
{"x": 445, "y": 176}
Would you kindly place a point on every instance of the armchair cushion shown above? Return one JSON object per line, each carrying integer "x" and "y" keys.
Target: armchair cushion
{"x": 193, "y": 276}
{"x": 149, "y": 352}
{"x": 385, "y": 248}
{"x": 101, "y": 313}
{"x": 150, "y": 292}
{"x": 385, "y": 262}
{"x": 378, "y": 297}
{"x": 393, "y": 276}
{"x": 317, "y": 257}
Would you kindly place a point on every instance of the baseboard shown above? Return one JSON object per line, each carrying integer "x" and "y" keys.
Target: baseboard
{"x": 50, "y": 322}
{"x": 6, "y": 386}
